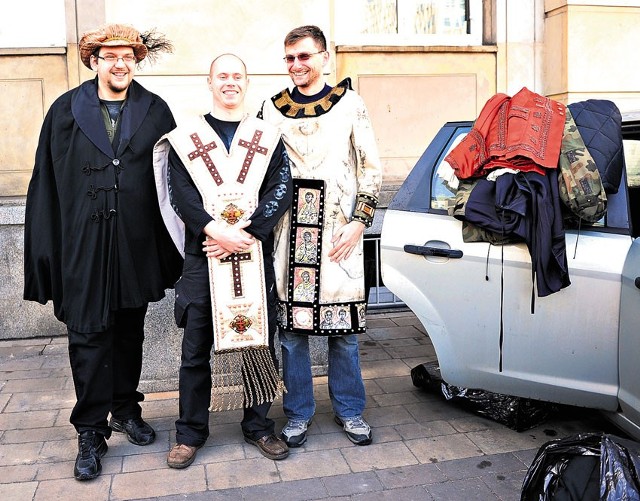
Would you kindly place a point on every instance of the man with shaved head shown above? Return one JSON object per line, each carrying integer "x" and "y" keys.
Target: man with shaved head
{"x": 226, "y": 183}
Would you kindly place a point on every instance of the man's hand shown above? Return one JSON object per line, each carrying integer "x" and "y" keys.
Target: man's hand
{"x": 345, "y": 240}
{"x": 212, "y": 249}
{"x": 223, "y": 240}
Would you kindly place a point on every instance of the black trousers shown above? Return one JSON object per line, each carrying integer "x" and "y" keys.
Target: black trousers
{"x": 193, "y": 312}
{"x": 106, "y": 370}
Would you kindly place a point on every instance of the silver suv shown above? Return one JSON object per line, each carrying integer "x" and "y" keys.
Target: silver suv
{"x": 580, "y": 346}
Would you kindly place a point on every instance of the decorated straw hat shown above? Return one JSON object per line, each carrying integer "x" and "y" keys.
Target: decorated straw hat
{"x": 112, "y": 35}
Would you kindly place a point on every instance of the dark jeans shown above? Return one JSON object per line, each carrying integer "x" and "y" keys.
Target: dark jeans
{"x": 193, "y": 312}
{"x": 106, "y": 370}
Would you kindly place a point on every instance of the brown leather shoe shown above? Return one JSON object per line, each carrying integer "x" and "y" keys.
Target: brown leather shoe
{"x": 270, "y": 446}
{"x": 182, "y": 455}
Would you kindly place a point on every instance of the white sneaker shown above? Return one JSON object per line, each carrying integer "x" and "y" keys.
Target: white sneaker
{"x": 356, "y": 428}
{"x": 294, "y": 432}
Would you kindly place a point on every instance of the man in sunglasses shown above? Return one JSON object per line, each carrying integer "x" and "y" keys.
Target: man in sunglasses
{"x": 333, "y": 155}
{"x": 95, "y": 242}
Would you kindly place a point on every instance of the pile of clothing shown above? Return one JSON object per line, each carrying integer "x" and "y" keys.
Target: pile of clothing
{"x": 508, "y": 181}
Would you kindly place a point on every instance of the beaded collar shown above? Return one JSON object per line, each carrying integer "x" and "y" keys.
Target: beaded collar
{"x": 289, "y": 108}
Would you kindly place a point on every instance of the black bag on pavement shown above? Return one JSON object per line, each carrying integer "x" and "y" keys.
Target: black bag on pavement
{"x": 584, "y": 467}
{"x": 515, "y": 412}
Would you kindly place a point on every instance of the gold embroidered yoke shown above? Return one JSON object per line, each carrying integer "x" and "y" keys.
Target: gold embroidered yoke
{"x": 337, "y": 176}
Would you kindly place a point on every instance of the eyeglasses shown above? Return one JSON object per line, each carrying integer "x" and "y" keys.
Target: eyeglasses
{"x": 303, "y": 56}
{"x": 113, "y": 59}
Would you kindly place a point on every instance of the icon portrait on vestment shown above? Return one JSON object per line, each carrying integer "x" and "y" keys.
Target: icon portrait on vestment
{"x": 308, "y": 206}
{"x": 362, "y": 315}
{"x": 326, "y": 318}
{"x": 302, "y": 317}
{"x": 304, "y": 284}
{"x": 306, "y": 246}
{"x": 343, "y": 320}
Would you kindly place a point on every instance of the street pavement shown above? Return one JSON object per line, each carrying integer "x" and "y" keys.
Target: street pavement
{"x": 424, "y": 447}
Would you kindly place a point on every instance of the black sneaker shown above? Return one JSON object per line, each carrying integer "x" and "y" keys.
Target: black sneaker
{"x": 91, "y": 447}
{"x": 294, "y": 432}
{"x": 356, "y": 428}
{"x": 138, "y": 431}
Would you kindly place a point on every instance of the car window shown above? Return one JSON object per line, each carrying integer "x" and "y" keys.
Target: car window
{"x": 443, "y": 194}
{"x": 632, "y": 159}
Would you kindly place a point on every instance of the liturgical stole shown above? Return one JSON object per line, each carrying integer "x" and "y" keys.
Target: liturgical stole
{"x": 229, "y": 184}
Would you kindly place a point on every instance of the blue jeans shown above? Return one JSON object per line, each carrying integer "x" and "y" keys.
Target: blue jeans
{"x": 346, "y": 388}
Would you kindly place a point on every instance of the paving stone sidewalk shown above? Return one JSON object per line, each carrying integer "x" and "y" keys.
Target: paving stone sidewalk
{"x": 424, "y": 447}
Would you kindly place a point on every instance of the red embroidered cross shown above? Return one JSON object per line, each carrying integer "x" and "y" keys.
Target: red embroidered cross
{"x": 253, "y": 146}
{"x": 235, "y": 260}
{"x": 202, "y": 151}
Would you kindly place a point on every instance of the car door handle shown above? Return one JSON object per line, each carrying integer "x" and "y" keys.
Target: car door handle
{"x": 423, "y": 250}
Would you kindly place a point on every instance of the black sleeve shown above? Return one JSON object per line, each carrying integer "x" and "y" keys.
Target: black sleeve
{"x": 42, "y": 223}
{"x": 275, "y": 195}
{"x": 185, "y": 196}
{"x": 161, "y": 116}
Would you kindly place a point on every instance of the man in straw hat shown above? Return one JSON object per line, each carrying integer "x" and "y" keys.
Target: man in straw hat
{"x": 230, "y": 184}
{"x": 95, "y": 242}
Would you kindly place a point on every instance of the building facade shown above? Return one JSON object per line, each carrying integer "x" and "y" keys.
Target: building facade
{"x": 416, "y": 63}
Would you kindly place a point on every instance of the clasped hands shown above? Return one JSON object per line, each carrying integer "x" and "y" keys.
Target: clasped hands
{"x": 223, "y": 240}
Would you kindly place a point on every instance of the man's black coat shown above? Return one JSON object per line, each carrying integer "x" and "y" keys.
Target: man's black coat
{"x": 94, "y": 238}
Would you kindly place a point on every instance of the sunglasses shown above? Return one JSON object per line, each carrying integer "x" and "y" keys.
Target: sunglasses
{"x": 303, "y": 56}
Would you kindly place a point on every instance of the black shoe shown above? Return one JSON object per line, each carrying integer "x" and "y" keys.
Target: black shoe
{"x": 138, "y": 431}
{"x": 91, "y": 447}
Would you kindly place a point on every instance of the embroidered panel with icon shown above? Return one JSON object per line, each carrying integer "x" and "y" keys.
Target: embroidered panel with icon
{"x": 304, "y": 254}
{"x": 303, "y": 313}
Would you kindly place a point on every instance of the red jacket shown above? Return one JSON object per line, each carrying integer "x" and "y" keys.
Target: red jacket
{"x": 523, "y": 132}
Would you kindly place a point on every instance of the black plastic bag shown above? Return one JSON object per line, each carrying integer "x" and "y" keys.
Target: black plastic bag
{"x": 584, "y": 467}
{"x": 515, "y": 412}
{"x": 620, "y": 467}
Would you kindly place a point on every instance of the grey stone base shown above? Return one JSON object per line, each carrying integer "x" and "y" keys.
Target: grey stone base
{"x": 21, "y": 319}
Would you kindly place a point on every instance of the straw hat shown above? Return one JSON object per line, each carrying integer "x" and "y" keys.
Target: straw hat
{"x": 112, "y": 35}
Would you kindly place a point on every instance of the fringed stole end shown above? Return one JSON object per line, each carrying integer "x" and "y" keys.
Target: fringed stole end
{"x": 244, "y": 378}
